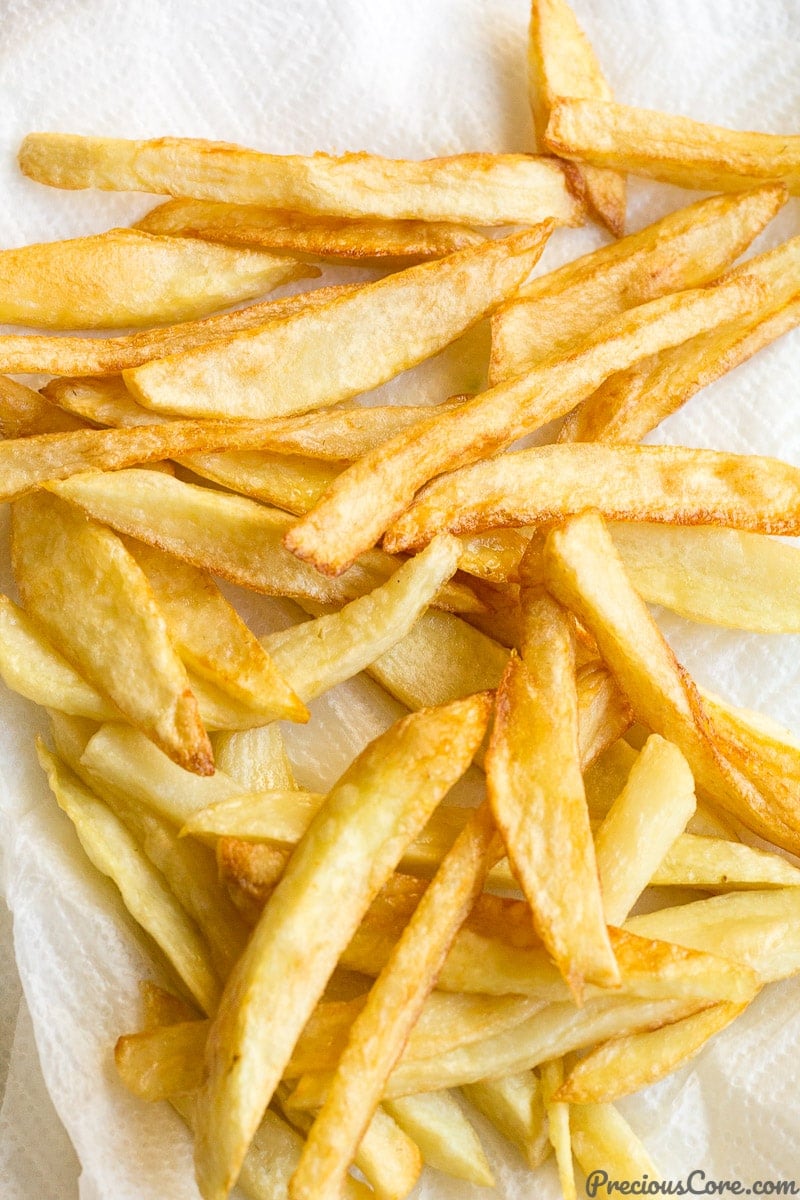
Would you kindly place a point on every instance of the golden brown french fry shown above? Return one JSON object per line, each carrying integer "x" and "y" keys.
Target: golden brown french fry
{"x": 642, "y": 824}
{"x": 114, "y": 852}
{"x": 602, "y": 1140}
{"x": 675, "y": 485}
{"x": 685, "y": 249}
{"x": 378, "y": 487}
{"x": 513, "y": 1103}
{"x": 447, "y": 1141}
{"x": 585, "y": 573}
{"x": 163, "y": 1062}
{"x": 24, "y": 413}
{"x": 337, "y": 238}
{"x": 552, "y": 1077}
{"x": 21, "y": 353}
{"x": 78, "y": 580}
{"x": 212, "y": 638}
{"x": 561, "y": 62}
{"x": 626, "y": 1064}
{"x": 533, "y": 777}
{"x": 372, "y": 813}
{"x": 485, "y": 189}
{"x": 348, "y": 346}
{"x": 162, "y": 1007}
{"x": 125, "y": 277}
{"x": 393, "y": 1006}
{"x": 674, "y": 149}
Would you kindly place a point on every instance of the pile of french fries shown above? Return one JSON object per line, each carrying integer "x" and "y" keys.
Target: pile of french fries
{"x": 352, "y": 974}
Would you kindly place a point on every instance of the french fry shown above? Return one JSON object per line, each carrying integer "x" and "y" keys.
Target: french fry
{"x": 20, "y": 353}
{"x": 715, "y": 864}
{"x": 376, "y": 489}
{"x": 164, "y": 1062}
{"x": 337, "y": 238}
{"x": 255, "y": 758}
{"x": 552, "y": 1077}
{"x": 114, "y": 852}
{"x": 674, "y": 149}
{"x": 246, "y": 1055}
{"x": 162, "y": 1007}
{"x": 125, "y": 277}
{"x": 24, "y": 413}
{"x": 602, "y": 1140}
{"x": 670, "y": 484}
{"x": 212, "y": 638}
{"x": 685, "y": 249}
{"x": 626, "y": 1064}
{"x": 447, "y": 1141}
{"x": 484, "y": 189}
{"x": 561, "y": 62}
{"x": 78, "y": 580}
{"x": 394, "y": 1003}
{"x": 513, "y": 1104}
{"x": 354, "y": 343}
{"x": 642, "y": 825}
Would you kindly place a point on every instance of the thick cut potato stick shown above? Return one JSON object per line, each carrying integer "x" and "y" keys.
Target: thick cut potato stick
{"x": 125, "y": 277}
{"x": 602, "y": 1140}
{"x": 642, "y": 824}
{"x": 513, "y": 1104}
{"x": 380, "y": 1031}
{"x": 92, "y": 599}
{"x": 114, "y": 852}
{"x": 447, "y": 1141}
{"x": 160, "y": 1063}
{"x": 20, "y": 353}
{"x": 633, "y": 402}
{"x": 561, "y": 62}
{"x": 708, "y": 573}
{"x": 255, "y": 758}
{"x": 716, "y": 864}
{"x": 585, "y": 573}
{"x": 230, "y": 536}
{"x": 685, "y": 249}
{"x": 674, "y": 485}
{"x": 338, "y": 238}
{"x": 533, "y": 776}
{"x": 368, "y": 496}
{"x": 211, "y": 636}
{"x": 626, "y": 1064}
{"x": 377, "y": 807}
{"x": 674, "y": 149}
{"x": 24, "y": 413}
{"x": 552, "y": 1076}
{"x": 354, "y": 343}
{"x": 484, "y": 189}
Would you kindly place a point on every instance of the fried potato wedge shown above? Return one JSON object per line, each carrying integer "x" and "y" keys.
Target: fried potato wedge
{"x": 22, "y": 353}
{"x": 125, "y": 277}
{"x": 337, "y": 238}
{"x": 674, "y": 485}
{"x": 533, "y": 778}
{"x": 626, "y": 1064}
{"x": 633, "y": 402}
{"x": 447, "y": 1141}
{"x": 78, "y": 580}
{"x": 602, "y": 1140}
{"x": 685, "y": 249}
{"x": 356, "y": 342}
{"x": 378, "y": 806}
{"x": 674, "y": 149}
{"x": 24, "y": 413}
{"x": 376, "y": 489}
{"x": 643, "y": 823}
{"x": 585, "y": 573}
{"x": 513, "y": 1104}
{"x": 561, "y": 62}
{"x": 483, "y": 189}
{"x": 212, "y": 638}
{"x": 115, "y": 853}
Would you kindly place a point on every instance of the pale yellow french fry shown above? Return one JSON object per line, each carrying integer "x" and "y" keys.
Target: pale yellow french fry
{"x": 485, "y": 189}
{"x": 513, "y": 1103}
{"x": 338, "y": 238}
{"x": 375, "y": 810}
{"x": 125, "y": 277}
{"x": 674, "y": 149}
{"x": 716, "y": 864}
{"x": 558, "y": 1125}
{"x": 374, "y": 491}
{"x": 80, "y": 582}
{"x": 346, "y": 347}
{"x": 114, "y": 852}
{"x": 685, "y": 249}
{"x": 602, "y": 1140}
{"x": 626, "y": 1064}
{"x": 642, "y": 825}
{"x": 255, "y": 758}
{"x": 757, "y": 735}
{"x": 561, "y": 62}
{"x": 24, "y": 413}
{"x": 447, "y": 1141}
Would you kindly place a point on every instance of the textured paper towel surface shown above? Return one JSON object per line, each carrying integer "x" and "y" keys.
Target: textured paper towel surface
{"x": 420, "y": 78}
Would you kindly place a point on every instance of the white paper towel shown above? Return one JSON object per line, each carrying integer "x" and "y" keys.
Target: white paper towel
{"x": 421, "y": 78}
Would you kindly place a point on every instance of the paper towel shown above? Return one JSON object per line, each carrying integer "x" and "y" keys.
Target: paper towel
{"x": 420, "y": 78}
